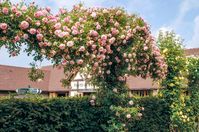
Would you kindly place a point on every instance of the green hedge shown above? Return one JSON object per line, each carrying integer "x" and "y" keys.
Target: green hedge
{"x": 75, "y": 115}
{"x": 67, "y": 115}
{"x": 156, "y": 116}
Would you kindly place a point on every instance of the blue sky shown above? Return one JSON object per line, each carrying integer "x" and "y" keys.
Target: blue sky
{"x": 181, "y": 16}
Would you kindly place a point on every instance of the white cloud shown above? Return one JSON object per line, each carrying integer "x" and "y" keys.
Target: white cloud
{"x": 185, "y": 7}
{"x": 194, "y": 42}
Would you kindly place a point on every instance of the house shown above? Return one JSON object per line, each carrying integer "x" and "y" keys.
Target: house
{"x": 12, "y": 77}
{"x": 17, "y": 77}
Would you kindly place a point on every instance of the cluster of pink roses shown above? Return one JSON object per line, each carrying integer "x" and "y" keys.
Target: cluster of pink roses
{"x": 94, "y": 36}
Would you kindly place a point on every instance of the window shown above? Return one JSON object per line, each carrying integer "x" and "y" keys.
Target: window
{"x": 82, "y": 85}
{"x": 141, "y": 92}
{"x": 87, "y": 94}
{"x": 61, "y": 94}
{"x": 74, "y": 84}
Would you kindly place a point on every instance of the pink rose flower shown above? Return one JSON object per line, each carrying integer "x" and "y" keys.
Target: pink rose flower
{"x": 62, "y": 11}
{"x": 48, "y": 9}
{"x": 92, "y": 102}
{"x": 72, "y": 62}
{"x": 101, "y": 49}
{"x": 43, "y": 51}
{"x": 39, "y": 37}
{"x": 24, "y": 8}
{"x": 80, "y": 61}
{"x": 117, "y": 59}
{"x": 24, "y": 25}
{"x": 74, "y": 27}
{"x": 82, "y": 49}
{"x": 67, "y": 19}
{"x": 57, "y": 26}
{"x": 18, "y": 13}
{"x": 122, "y": 36}
{"x": 45, "y": 20}
{"x": 3, "y": 26}
{"x": 14, "y": 9}
{"x": 38, "y": 23}
{"x": 116, "y": 24}
{"x": 41, "y": 44}
{"x": 62, "y": 46}
{"x": 65, "y": 28}
{"x": 93, "y": 14}
{"x": 104, "y": 37}
{"x": 110, "y": 63}
{"x": 94, "y": 46}
{"x": 64, "y": 62}
{"x": 70, "y": 43}
{"x": 5, "y": 11}
{"x": 13, "y": 54}
{"x": 130, "y": 55}
{"x": 17, "y": 38}
{"x": 118, "y": 49}
{"x": 139, "y": 114}
{"x": 32, "y": 31}
{"x": 98, "y": 27}
{"x": 57, "y": 32}
{"x": 75, "y": 32}
{"x": 114, "y": 31}
{"x": 112, "y": 40}
{"x": 108, "y": 72}
{"x": 115, "y": 90}
{"x": 81, "y": 19}
{"x": 118, "y": 12}
{"x": 96, "y": 64}
{"x": 38, "y": 14}
{"x": 105, "y": 11}
{"x": 131, "y": 102}
{"x": 127, "y": 60}
{"x": 45, "y": 12}
{"x": 63, "y": 34}
{"x": 146, "y": 48}
{"x": 53, "y": 52}
{"x": 142, "y": 108}
{"x": 25, "y": 36}
{"x": 128, "y": 116}
{"x": 93, "y": 33}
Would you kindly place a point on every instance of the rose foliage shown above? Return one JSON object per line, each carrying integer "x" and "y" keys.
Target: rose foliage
{"x": 102, "y": 40}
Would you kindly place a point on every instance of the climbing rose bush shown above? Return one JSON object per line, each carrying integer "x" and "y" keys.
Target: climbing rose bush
{"x": 96, "y": 38}
{"x": 106, "y": 44}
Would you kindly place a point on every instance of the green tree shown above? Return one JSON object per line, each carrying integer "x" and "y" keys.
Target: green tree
{"x": 193, "y": 87}
{"x": 175, "y": 82}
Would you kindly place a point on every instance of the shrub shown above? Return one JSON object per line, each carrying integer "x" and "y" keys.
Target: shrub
{"x": 156, "y": 116}
{"x": 76, "y": 114}
{"x": 59, "y": 114}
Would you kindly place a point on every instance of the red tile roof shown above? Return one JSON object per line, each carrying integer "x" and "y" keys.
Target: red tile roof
{"x": 192, "y": 52}
{"x": 138, "y": 83}
{"x": 17, "y": 77}
{"x": 55, "y": 77}
{"x": 12, "y": 77}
